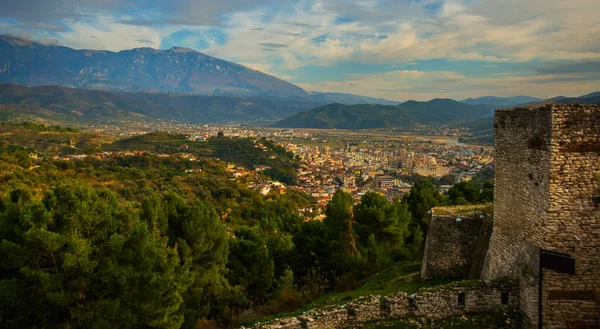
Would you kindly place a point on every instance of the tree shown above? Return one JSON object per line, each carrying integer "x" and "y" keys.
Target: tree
{"x": 79, "y": 258}
{"x": 422, "y": 197}
{"x": 250, "y": 264}
{"x": 464, "y": 192}
{"x": 339, "y": 220}
{"x": 311, "y": 249}
{"x": 386, "y": 221}
{"x": 202, "y": 242}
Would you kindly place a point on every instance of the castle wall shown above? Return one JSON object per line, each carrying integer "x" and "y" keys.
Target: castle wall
{"x": 573, "y": 223}
{"x": 522, "y": 168}
{"x": 547, "y": 196}
{"x": 456, "y": 242}
{"x": 432, "y": 303}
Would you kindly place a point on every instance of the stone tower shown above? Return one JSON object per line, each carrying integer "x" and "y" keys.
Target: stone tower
{"x": 547, "y": 198}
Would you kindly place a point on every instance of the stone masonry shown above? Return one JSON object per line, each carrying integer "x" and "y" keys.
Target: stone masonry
{"x": 432, "y": 303}
{"x": 457, "y": 241}
{"x": 547, "y": 196}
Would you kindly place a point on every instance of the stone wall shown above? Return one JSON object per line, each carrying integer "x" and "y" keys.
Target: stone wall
{"x": 432, "y": 303}
{"x": 547, "y": 196}
{"x": 521, "y": 166}
{"x": 573, "y": 222}
{"x": 457, "y": 242}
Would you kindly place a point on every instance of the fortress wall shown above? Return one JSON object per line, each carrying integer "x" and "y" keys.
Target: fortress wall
{"x": 573, "y": 223}
{"x": 547, "y": 196}
{"x": 522, "y": 168}
{"x": 456, "y": 242}
{"x": 432, "y": 303}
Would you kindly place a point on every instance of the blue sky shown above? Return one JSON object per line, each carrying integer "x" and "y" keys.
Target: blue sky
{"x": 394, "y": 49}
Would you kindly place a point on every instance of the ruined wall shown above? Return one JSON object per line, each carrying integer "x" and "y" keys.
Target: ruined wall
{"x": 547, "y": 196}
{"x": 456, "y": 242}
{"x": 433, "y": 303}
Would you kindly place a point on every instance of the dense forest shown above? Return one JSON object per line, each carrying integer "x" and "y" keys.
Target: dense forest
{"x": 144, "y": 241}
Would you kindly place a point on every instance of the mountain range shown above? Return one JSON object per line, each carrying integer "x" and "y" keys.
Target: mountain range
{"x": 365, "y": 116}
{"x": 84, "y": 106}
{"x": 185, "y": 85}
{"x": 180, "y": 70}
{"x": 176, "y": 70}
{"x": 501, "y": 101}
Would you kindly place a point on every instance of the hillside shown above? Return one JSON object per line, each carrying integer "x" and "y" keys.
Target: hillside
{"x": 181, "y": 70}
{"x": 50, "y": 141}
{"x": 480, "y": 132}
{"x": 242, "y": 151}
{"x": 500, "y": 101}
{"x": 78, "y": 105}
{"x": 348, "y": 99}
{"x": 435, "y": 112}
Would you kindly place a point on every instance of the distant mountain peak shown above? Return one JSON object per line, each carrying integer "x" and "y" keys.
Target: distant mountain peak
{"x": 178, "y": 70}
{"x": 183, "y": 50}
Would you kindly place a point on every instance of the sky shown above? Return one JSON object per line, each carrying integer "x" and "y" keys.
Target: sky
{"x": 394, "y": 49}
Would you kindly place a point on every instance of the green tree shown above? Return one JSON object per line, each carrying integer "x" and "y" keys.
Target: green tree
{"x": 311, "y": 249}
{"x": 250, "y": 264}
{"x": 464, "y": 192}
{"x": 81, "y": 259}
{"x": 422, "y": 197}
{"x": 202, "y": 242}
{"x": 386, "y": 221}
{"x": 339, "y": 220}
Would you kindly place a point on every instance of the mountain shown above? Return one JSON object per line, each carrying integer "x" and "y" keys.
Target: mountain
{"x": 500, "y": 101}
{"x": 95, "y": 105}
{"x": 591, "y": 95}
{"x": 406, "y": 115}
{"x": 579, "y": 100}
{"x": 180, "y": 70}
{"x": 591, "y": 98}
{"x": 481, "y": 131}
{"x": 348, "y": 99}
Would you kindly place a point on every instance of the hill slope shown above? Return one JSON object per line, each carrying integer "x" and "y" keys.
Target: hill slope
{"x": 348, "y": 99}
{"x": 500, "y": 101}
{"x": 434, "y": 112}
{"x": 85, "y": 105}
{"x": 180, "y": 70}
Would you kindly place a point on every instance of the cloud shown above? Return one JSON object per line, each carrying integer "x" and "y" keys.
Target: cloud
{"x": 273, "y": 45}
{"x": 544, "y": 42}
{"x": 106, "y": 34}
{"x": 425, "y": 85}
{"x": 588, "y": 67}
{"x": 145, "y": 41}
{"x": 51, "y": 11}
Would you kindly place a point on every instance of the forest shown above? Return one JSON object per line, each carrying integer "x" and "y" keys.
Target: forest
{"x": 144, "y": 241}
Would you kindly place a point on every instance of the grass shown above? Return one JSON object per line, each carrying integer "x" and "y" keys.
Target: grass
{"x": 400, "y": 277}
{"x": 463, "y": 210}
{"x": 468, "y": 321}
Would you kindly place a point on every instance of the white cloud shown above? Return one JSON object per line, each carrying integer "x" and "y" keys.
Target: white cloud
{"x": 107, "y": 34}
{"x": 425, "y": 85}
{"x": 374, "y": 32}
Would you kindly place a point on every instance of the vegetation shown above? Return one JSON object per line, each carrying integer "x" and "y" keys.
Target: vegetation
{"x": 143, "y": 241}
{"x": 241, "y": 151}
{"x": 42, "y": 127}
{"x": 79, "y": 106}
{"x": 480, "y": 132}
{"x": 82, "y": 239}
{"x": 51, "y": 140}
{"x": 366, "y": 116}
